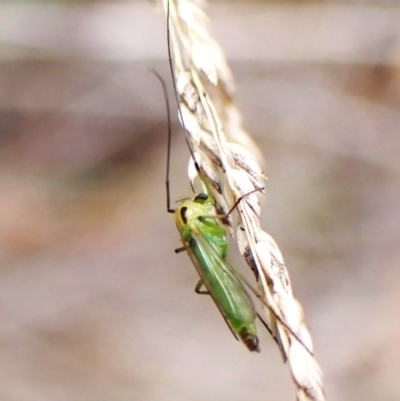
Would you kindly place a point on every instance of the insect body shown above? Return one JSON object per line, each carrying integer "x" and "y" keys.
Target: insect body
{"x": 204, "y": 241}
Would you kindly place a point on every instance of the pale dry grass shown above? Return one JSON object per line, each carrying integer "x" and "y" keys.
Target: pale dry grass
{"x": 229, "y": 160}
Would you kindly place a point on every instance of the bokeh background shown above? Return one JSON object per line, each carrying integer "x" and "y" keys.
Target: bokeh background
{"x": 94, "y": 304}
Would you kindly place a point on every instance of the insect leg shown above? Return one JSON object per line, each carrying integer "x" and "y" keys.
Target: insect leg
{"x": 241, "y": 198}
{"x": 164, "y": 87}
{"x": 179, "y": 250}
{"x": 197, "y": 289}
{"x": 273, "y": 336}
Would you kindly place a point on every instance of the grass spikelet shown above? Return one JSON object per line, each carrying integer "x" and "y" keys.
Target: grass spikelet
{"x": 229, "y": 160}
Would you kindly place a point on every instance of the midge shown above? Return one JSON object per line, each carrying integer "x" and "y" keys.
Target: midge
{"x": 204, "y": 241}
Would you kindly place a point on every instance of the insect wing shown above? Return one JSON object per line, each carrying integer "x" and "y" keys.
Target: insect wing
{"x": 224, "y": 287}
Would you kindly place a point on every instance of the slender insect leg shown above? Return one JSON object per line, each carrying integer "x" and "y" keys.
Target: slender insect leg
{"x": 224, "y": 216}
{"x": 277, "y": 339}
{"x": 167, "y": 185}
{"x": 197, "y": 289}
{"x": 242, "y": 197}
{"x": 266, "y": 326}
{"x": 179, "y": 250}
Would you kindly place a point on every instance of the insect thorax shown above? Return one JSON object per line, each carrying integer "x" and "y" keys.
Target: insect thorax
{"x": 193, "y": 217}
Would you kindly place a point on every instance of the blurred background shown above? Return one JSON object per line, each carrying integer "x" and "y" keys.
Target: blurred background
{"x": 94, "y": 304}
